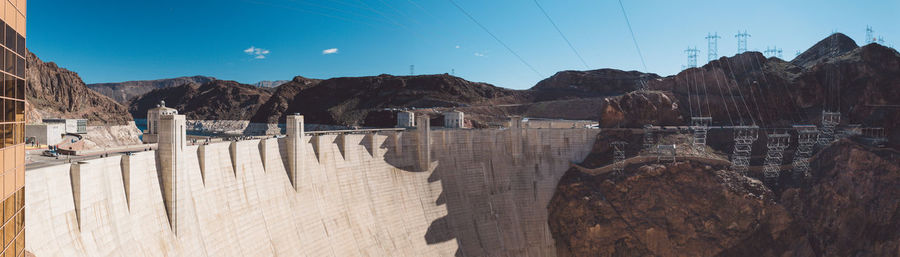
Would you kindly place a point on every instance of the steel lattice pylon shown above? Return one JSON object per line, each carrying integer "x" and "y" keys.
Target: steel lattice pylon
{"x": 806, "y": 140}
{"x": 775, "y": 144}
{"x": 700, "y": 125}
{"x": 830, "y": 120}
{"x": 744, "y": 136}
{"x": 618, "y": 156}
{"x": 649, "y": 138}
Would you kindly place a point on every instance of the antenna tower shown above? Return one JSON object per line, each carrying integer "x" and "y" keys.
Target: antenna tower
{"x": 870, "y": 35}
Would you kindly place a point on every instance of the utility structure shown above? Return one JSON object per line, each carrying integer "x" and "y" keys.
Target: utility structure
{"x": 806, "y": 140}
{"x": 881, "y": 40}
{"x": 874, "y": 136}
{"x": 870, "y": 35}
{"x": 712, "y": 46}
{"x": 691, "y": 57}
{"x": 666, "y": 153}
{"x": 775, "y": 144}
{"x": 742, "y": 41}
{"x": 744, "y": 137}
{"x": 412, "y": 70}
{"x": 773, "y": 51}
{"x": 830, "y": 120}
{"x": 649, "y": 138}
{"x": 700, "y": 126}
{"x": 618, "y": 156}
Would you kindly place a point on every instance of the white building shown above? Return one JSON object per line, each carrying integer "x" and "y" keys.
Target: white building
{"x": 75, "y": 126}
{"x": 151, "y": 135}
{"x": 454, "y": 119}
{"x": 406, "y": 119}
{"x": 45, "y": 133}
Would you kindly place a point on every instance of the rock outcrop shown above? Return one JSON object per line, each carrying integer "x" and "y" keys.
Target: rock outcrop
{"x": 588, "y": 84}
{"x": 122, "y": 92}
{"x": 635, "y": 109}
{"x": 55, "y": 92}
{"x": 849, "y": 207}
{"x": 214, "y": 100}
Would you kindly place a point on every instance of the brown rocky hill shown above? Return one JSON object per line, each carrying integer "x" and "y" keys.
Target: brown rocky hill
{"x": 849, "y": 207}
{"x": 751, "y": 89}
{"x": 347, "y": 101}
{"x": 214, "y": 100}
{"x": 589, "y": 84}
{"x": 54, "y": 92}
{"x": 124, "y": 91}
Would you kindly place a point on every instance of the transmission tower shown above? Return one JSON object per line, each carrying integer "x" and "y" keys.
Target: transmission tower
{"x": 618, "y": 157}
{"x": 712, "y": 46}
{"x": 649, "y": 138}
{"x": 744, "y": 136}
{"x": 775, "y": 145}
{"x": 700, "y": 125}
{"x": 870, "y": 35}
{"x": 880, "y": 40}
{"x": 452, "y": 71}
{"x": 691, "y": 57}
{"x": 773, "y": 51}
{"x": 412, "y": 70}
{"x": 806, "y": 140}
{"x": 742, "y": 41}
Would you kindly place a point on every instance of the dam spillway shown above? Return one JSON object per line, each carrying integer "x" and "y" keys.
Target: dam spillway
{"x": 482, "y": 193}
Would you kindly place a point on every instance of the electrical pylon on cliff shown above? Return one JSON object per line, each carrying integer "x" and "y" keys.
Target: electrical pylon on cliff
{"x": 744, "y": 136}
{"x": 700, "y": 126}
{"x": 775, "y": 144}
{"x": 806, "y": 140}
{"x": 830, "y": 121}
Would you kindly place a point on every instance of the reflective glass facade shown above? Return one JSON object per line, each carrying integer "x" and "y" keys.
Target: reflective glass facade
{"x": 12, "y": 127}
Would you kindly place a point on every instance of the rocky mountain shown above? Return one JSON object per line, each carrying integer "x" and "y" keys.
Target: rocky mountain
{"x": 214, "y": 100}
{"x": 834, "y": 45}
{"x": 862, "y": 83}
{"x": 588, "y": 84}
{"x": 270, "y": 83}
{"x": 347, "y": 101}
{"x": 55, "y": 92}
{"x": 849, "y": 207}
{"x": 124, "y": 91}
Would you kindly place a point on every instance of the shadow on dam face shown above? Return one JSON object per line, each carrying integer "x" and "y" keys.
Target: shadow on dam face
{"x": 495, "y": 186}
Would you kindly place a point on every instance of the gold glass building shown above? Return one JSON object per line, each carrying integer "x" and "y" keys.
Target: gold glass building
{"x": 12, "y": 127}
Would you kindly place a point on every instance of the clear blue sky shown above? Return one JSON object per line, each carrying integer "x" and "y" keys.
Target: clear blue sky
{"x": 109, "y": 41}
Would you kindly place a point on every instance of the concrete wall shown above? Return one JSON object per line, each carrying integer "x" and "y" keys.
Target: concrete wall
{"x": 46, "y": 134}
{"x": 483, "y": 194}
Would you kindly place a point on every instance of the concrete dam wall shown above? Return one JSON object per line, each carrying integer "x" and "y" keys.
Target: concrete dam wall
{"x": 414, "y": 193}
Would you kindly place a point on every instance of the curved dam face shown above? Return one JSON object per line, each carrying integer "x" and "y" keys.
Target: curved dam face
{"x": 481, "y": 193}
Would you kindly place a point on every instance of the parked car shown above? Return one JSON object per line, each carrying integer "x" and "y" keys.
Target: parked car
{"x": 50, "y": 153}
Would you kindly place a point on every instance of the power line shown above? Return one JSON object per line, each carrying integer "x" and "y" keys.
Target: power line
{"x": 561, "y": 33}
{"x": 495, "y": 38}
{"x": 632, "y": 36}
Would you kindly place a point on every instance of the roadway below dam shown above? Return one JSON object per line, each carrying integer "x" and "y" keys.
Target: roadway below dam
{"x": 482, "y": 193}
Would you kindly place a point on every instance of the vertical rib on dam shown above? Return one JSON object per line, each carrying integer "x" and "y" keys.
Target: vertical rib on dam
{"x": 483, "y": 193}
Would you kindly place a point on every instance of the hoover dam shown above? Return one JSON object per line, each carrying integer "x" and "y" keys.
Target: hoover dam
{"x": 417, "y": 192}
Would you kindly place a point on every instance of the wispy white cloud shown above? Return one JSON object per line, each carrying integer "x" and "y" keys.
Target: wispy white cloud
{"x": 257, "y": 53}
{"x": 457, "y": 46}
{"x": 330, "y": 51}
{"x": 479, "y": 54}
